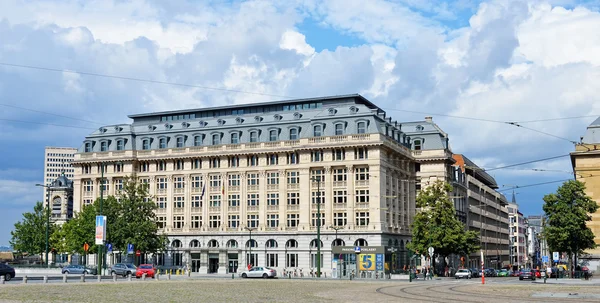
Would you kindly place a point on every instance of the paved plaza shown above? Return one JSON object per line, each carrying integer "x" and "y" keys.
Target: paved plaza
{"x": 207, "y": 289}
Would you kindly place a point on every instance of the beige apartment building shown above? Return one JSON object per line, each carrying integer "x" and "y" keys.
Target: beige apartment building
{"x": 241, "y": 184}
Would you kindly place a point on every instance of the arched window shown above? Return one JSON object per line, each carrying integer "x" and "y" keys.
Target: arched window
{"x": 339, "y": 129}
{"x": 180, "y": 141}
{"x": 235, "y": 138}
{"x": 251, "y": 243}
{"x": 313, "y": 243}
{"x": 197, "y": 140}
{"x": 176, "y": 244}
{"x": 213, "y": 243}
{"x": 88, "y": 147}
{"x": 146, "y": 144}
{"x": 254, "y": 136}
{"x": 104, "y": 146}
{"x": 216, "y": 139}
{"x": 291, "y": 244}
{"x": 293, "y": 134}
{"x": 273, "y": 135}
{"x": 417, "y": 144}
{"x": 361, "y": 127}
{"x": 232, "y": 244}
{"x": 120, "y": 144}
{"x": 271, "y": 243}
{"x": 396, "y": 243}
{"x": 338, "y": 242}
{"x": 361, "y": 242}
{"x": 317, "y": 130}
{"x": 195, "y": 244}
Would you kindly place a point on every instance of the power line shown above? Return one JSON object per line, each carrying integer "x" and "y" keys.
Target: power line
{"x": 541, "y": 132}
{"x": 556, "y": 119}
{"x": 138, "y": 79}
{"x": 52, "y": 114}
{"x": 42, "y": 123}
{"x": 525, "y": 163}
{"x": 444, "y": 115}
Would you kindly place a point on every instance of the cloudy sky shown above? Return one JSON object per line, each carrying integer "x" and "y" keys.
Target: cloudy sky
{"x": 485, "y": 60}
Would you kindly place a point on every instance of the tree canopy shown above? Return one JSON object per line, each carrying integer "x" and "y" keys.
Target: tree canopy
{"x": 29, "y": 234}
{"x": 437, "y": 226}
{"x": 567, "y": 212}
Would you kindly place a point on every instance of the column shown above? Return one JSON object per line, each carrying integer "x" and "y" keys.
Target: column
{"x": 327, "y": 206}
{"x": 203, "y": 200}
{"x": 375, "y": 210}
{"x": 350, "y": 204}
{"x": 77, "y": 196}
{"x": 169, "y": 222}
{"x": 187, "y": 196}
{"x": 262, "y": 200}
{"x": 224, "y": 201}
{"x": 305, "y": 196}
{"x": 282, "y": 199}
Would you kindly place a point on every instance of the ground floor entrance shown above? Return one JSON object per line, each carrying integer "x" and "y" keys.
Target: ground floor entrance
{"x": 195, "y": 262}
{"x": 233, "y": 263}
{"x": 213, "y": 263}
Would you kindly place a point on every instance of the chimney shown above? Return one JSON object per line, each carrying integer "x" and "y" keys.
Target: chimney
{"x": 429, "y": 119}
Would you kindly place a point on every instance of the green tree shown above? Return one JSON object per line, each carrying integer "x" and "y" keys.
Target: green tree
{"x": 80, "y": 230}
{"x": 57, "y": 240}
{"x": 436, "y": 225}
{"x": 567, "y": 212}
{"x": 29, "y": 234}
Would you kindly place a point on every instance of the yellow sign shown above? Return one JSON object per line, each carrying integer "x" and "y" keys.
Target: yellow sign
{"x": 366, "y": 262}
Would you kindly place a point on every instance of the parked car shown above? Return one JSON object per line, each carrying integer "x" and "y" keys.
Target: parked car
{"x": 463, "y": 274}
{"x": 123, "y": 269}
{"x": 490, "y": 272}
{"x": 259, "y": 272}
{"x": 474, "y": 272}
{"x": 147, "y": 269}
{"x": 527, "y": 274}
{"x": 78, "y": 269}
{"x": 503, "y": 273}
{"x": 7, "y": 271}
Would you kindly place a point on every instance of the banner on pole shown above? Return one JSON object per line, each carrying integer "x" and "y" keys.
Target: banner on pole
{"x": 100, "y": 230}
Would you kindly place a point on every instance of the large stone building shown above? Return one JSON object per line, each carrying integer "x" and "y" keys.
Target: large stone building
{"x": 487, "y": 215}
{"x": 57, "y": 160}
{"x": 586, "y": 166}
{"x": 232, "y": 180}
{"x": 518, "y": 235}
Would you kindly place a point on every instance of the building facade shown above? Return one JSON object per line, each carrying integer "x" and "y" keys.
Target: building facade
{"x": 56, "y": 161}
{"x": 242, "y": 184}
{"x": 536, "y": 243}
{"x": 487, "y": 215}
{"x": 586, "y": 167}
{"x": 518, "y": 236}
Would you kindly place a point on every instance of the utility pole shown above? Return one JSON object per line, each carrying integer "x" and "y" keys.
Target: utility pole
{"x": 47, "y": 221}
{"x": 250, "y": 243}
{"x": 101, "y": 248}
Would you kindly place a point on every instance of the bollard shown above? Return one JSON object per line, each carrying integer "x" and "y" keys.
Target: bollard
{"x": 169, "y": 276}
{"x": 144, "y": 277}
{"x": 82, "y": 279}
{"x": 45, "y": 279}
{"x": 114, "y": 278}
{"x": 2, "y": 279}
{"x": 99, "y": 278}
{"x": 64, "y": 278}
{"x": 289, "y": 275}
{"x": 232, "y": 276}
{"x": 325, "y": 275}
{"x": 157, "y": 275}
{"x": 189, "y": 272}
{"x": 129, "y": 277}
{"x": 25, "y": 280}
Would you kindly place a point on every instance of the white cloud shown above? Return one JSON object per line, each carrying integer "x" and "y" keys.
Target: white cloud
{"x": 293, "y": 40}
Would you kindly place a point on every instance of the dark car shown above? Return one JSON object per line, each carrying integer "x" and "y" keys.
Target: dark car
{"x": 474, "y": 272}
{"x": 7, "y": 272}
{"x": 527, "y": 274}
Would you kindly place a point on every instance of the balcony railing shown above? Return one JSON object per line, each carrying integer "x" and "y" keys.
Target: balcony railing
{"x": 234, "y": 209}
{"x": 272, "y": 207}
{"x": 293, "y": 207}
{"x": 272, "y": 186}
{"x": 252, "y": 208}
{"x": 339, "y": 206}
{"x": 293, "y": 186}
{"x": 196, "y": 209}
{"x": 214, "y": 209}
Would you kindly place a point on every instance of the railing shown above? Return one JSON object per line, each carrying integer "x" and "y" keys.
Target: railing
{"x": 291, "y": 143}
{"x": 271, "y": 228}
{"x": 272, "y": 144}
{"x": 196, "y": 190}
{"x": 339, "y": 183}
{"x": 361, "y": 205}
{"x": 161, "y": 191}
{"x": 233, "y": 188}
{"x": 339, "y": 206}
{"x": 233, "y": 208}
{"x": 214, "y": 209}
{"x": 252, "y": 145}
{"x": 272, "y": 207}
{"x": 252, "y": 208}
{"x": 178, "y": 190}
{"x": 293, "y": 207}
{"x": 178, "y": 210}
{"x": 272, "y": 186}
{"x": 178, "y": 150}
{"x": 293, "y": 186}
{"x": 215, "y": 189}
{"x": 362, "y": 183}
{"x": 317, "y": 140}
{"x": 196, "y": 209}
{"x": 338, "y": 138}
{"x": 233, "y": 147}
{"x": 253, "y": 187}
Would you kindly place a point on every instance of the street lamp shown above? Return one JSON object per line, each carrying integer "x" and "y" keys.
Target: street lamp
{"x": 101, "y": 247}
{"x": 250, "y": 229}
{"x": 318, "y": 180}
{"x": 336, "y": 228}
{"x": 47, "y": 221}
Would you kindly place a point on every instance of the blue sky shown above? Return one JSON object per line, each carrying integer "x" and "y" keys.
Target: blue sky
{"x": 494, "y": 60}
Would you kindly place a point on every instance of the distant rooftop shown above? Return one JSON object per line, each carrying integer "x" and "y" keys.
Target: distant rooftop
{"x": 471, "y": 168}
{"x": 592, "y": 133}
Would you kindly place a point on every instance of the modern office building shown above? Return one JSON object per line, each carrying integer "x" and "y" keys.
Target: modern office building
{"x": 586, "y": 167}
{"x": 241, "y": 184}
{"x": 487, "y": 215}
{"x": 56, "y": 161}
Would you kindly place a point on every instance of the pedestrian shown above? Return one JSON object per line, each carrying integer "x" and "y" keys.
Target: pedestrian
{"x": 548, "y": 272}
{"x": 446, "y": 274}
{"x": 249, "y": 266}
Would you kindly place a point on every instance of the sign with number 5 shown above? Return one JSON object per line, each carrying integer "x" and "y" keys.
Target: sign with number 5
{"x": 367, "y": 262}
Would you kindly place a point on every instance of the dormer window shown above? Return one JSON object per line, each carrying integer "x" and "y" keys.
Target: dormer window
{"x": 353, "y": 109}
{"x": 277, "y": 117}
{"x": 332, "y": 111}
{"x": 88, "y": 147}
{"x": 297, "y": 115}
{"x": 146, "y": 144}
{"x": 239, "y": 120}
{"x": 317, "y": 130}
{"x": 202, "y": 123}
{"x": 361, "y": 127}
{"x": 168, "y": 126}
{"x": 151, "y": 127}
{"x": 418, "y": 144}
{"x": 185, "y": 125}
{"x": 257, "y": 119}
{"x": 221, "y": 122}
{"x": 273, "y": 135}
{"x": 118, "y": 129}
{"x": 162, "y": 143}
{"x": 420, "y": 128}
{"x": 120, "y": 144}
{"x": 180, "y": 141}
{"x": 104, "y": 146}
{"x": 102, "y": 130}
{"x": 293, "y": 134}
{"x": 339, "y": 129}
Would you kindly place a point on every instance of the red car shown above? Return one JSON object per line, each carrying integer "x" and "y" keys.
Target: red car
{"x": 147, "y": 269}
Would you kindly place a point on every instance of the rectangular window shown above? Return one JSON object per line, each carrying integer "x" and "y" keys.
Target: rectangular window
{"x": 273, "y": 178}
{"x": 340, "y": 174}
{"x": 316, "y": 156}
{"x": 273, "y": 135}
{"x": 362, "y": 218}
{"x": 362, "y": 196}
{"x": 179, "y": 183}
{"x": 162, "y": 143}
{"x": 313, "y": 261}
{"x": 88, "y": 147}
{"x": 317, "y": 130}
{"x": 293, "y": 177}
{"x": 196, "y": 221}
{"x": 340, "y": 196}
{"x": 272, "y": 220}
{"x": 338, "y": 154}
{"x": 293, "y": 220}
{"x": 252, "y": 221}
{"x": 294, "y": 134}
{"x": 273, "y": 199}
{"x": 235, "y": 138}
{"x": 292, "y": 158}
{"x": 315, "y": 197}
{"x": 161, "y": 202}
{"x": 234, "y": 221}
{"x": 120, "y": 144}
{"x": 214, "y": 221}
{"x": 339, "y": 129}
{"x": 179, "y": 164}
{"x": 272, "y": 260}
{"x": 233, "y": 200}
{"x": 161, "y": 166}
{"x": 88, "y": 186}
{"x": 103, "y": 146}
{"x": 361, "y": 153}
{"x": 315, "y": 219}
{"x": 215, "y": 162}
{"x": 216, "y": 139}
{"x": 178, "y": 202}
{"x": 161, "y": 183}
{"x": 253, "y": 136}
{"x": 234, "y": 180}
{"x": 214, "y": 201}
{"x": 196, "y": 201}
{"x": 291, "y": 260}
{"x": 178, "y": 222}
{"x": 196, "y": 183}
{"x": 317, "y": 175}
{"x": 293, "y": 198}
{"x": 144, "y": 166}
{"x": 180, "y": 142}
{"x": 253, "y": 179}
{"x": 361, "y": 127}
{"x": 215, "y": 182}
{"x": 119, "y": 185}
{"x": 253, "y": 161}
{"x": 253, "y": 200}
{"x": 340, "y": 219}
{"x": 197, "y": 140}
{"x": 272, "y": 159}
{"x": 234, "y": 161}
{"x": 161, "y": 221}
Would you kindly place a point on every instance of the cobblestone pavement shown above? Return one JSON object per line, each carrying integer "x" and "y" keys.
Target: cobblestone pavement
{"x": 284, "y": 290}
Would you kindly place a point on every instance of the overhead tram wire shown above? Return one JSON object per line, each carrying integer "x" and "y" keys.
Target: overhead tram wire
{"x": 544, "y": 183}
{"x": 52, "y": 114}
{"x": 49, "y": 124}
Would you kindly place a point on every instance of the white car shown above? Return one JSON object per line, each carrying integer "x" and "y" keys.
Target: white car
{"x": 259, "y": 272}
{"x": 463, "y": 273}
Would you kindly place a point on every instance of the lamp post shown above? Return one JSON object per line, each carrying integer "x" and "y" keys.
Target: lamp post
{"x": 250, "y": 243}
{"x": 47, "y": 221}
{"x": 101, "y": 248}
{"x": 318, "y": 180}
{"x": 336, "y": 228}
